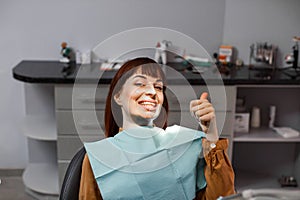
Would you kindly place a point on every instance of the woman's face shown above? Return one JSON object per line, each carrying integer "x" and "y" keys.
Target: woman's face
{"x": 141, "y": 99}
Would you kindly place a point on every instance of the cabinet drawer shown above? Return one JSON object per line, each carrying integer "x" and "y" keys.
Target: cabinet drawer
{"x": 183, "y": 119}
{"x": 82, "y": 122}
{"x": 224, "y": 123}
{"x": 83, "y": 97}
{"x": 186, "y": 119}
{"x": 223, "y": 100}
{"x": 67, "y": 146}
{"x": 62, "y": 168}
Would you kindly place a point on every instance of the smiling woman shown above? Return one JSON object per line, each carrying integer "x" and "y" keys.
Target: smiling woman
{"x": 140, "y": 98}
{"x": 144, "y": 70}
{"x": 142, "y": 158}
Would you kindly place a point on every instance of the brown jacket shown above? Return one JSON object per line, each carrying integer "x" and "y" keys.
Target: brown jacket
{"x": 218, "y": 173}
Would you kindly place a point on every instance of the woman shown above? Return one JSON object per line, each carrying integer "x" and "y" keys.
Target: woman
{"x": 137, "y": 101}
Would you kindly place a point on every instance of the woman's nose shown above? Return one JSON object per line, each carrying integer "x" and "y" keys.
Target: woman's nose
{"x": 150, "y": 89}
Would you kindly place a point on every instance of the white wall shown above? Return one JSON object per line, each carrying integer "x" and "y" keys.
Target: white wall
{"x": 34, "y": 29}
{"x": 272, "y": 21}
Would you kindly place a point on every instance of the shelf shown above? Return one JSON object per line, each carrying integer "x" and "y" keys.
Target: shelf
{"x": 252, "y": 180}
{"x": 42, "y": 178}
{"x": 40, "y": 196}
{"x": 246, "y": 180}
{"x": 40, "y": 127}
{"x": 262, "y": 135}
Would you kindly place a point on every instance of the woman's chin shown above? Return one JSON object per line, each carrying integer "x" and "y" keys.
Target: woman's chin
{"x": 145, "y": 119}
{"x": 150, "y": 115}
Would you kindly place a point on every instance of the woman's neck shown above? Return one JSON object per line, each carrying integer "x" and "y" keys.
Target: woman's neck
{"x": 129, "y": 125}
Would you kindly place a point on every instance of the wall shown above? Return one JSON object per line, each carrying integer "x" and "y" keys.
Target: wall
{"x": 272, "y": 21}
{"x": 34, "y": 30}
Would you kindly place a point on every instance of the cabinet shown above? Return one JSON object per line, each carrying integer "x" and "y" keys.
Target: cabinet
{"x": 41, "y": 175}
{"x": 58, "y": 119}
{"x": 80, "y": 118}
{"x": 261, "y": 157}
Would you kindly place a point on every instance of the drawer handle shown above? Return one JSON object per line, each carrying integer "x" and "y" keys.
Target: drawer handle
{"x": 92, "y": 100}
{"x": 90, "y": 126}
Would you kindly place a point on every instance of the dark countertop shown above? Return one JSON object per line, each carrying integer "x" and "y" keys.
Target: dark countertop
{"x": 54, "y": 72}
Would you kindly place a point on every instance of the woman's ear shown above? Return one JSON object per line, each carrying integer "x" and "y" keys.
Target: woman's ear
{"x": 117, "y": 99}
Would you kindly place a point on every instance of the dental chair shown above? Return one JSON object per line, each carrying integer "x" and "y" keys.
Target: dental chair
{"x": 71, "y": 182}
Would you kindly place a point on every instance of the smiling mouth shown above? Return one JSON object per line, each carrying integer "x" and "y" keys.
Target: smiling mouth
{"x": 148, "y": 105}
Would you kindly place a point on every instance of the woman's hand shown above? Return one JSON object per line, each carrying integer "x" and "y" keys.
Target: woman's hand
{"x": 204, "y": 112}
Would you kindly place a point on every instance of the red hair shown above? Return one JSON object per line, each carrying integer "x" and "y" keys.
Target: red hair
{"x": 113, "y": 114}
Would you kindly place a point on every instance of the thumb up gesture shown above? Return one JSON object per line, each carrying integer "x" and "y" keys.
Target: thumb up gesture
{"x": 204, "y": 113}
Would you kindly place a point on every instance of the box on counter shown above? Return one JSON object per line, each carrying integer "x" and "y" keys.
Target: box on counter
{"x": 226, "y": 54}
{"x": 241, "y": 122}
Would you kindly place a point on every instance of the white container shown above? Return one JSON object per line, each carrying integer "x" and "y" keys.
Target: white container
{"x": 255, "y": 117}
{"x": 78, "y": 57}
{"x": 86, "y": 57}
{"x": 241, "y": 122}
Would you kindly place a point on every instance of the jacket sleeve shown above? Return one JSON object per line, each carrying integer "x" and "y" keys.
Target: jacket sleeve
{"x": 218, "y": 171}
{"x": 88, "y": 186}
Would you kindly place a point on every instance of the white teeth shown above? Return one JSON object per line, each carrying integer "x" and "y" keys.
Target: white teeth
{"x": 148, "y": 103}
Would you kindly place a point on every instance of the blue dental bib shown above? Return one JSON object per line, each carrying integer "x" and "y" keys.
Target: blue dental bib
{"x": 149, "y": 163}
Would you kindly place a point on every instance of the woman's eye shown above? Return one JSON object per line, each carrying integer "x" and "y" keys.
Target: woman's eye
{"x": 139, "y": 84}
{"x": 158, "y": 87}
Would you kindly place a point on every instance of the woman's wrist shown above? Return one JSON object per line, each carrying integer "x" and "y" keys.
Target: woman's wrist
{"x": 221, "y": 144}
{"x": 212, "y": 134}
{"x": 212, "y": 144}
{"x": 212, "y": 137}
{"x": 208, "y": 146}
